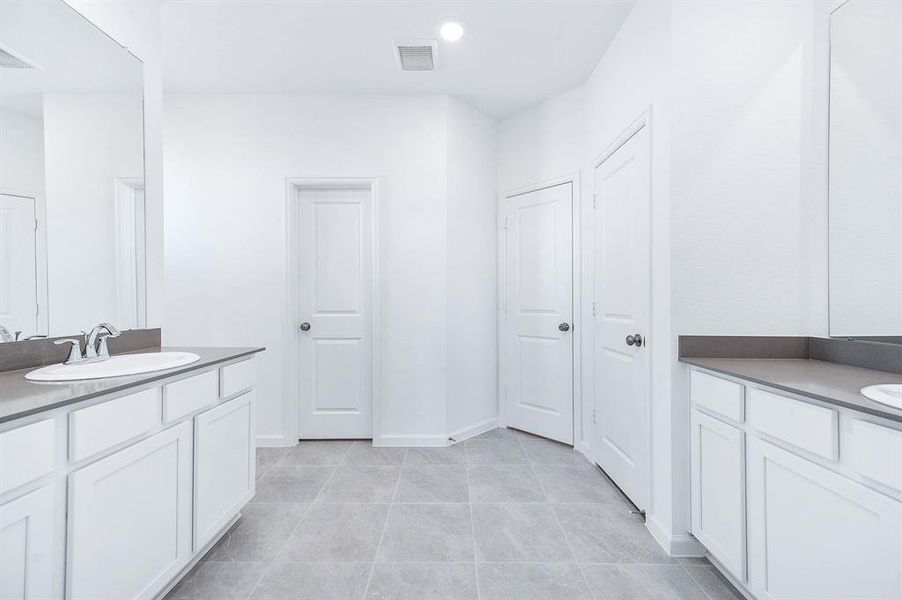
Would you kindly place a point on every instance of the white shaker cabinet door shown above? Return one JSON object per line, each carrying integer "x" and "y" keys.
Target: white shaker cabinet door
{"x": 130, "y": 519}
{"x": 26, "y": 546}
{"x": 224, "y": 465}
{"x": 718, "y": 490}
{"x": 816, "y": 535}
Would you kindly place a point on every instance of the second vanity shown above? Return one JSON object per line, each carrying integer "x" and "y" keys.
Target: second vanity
{"x": 114, "y": 488}
{"x": 796, "y": 478}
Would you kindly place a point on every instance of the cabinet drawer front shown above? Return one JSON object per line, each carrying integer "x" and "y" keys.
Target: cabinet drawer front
{"x": 876, "y": 452}
{"x": 189, "y": 395}
{"x": 237, "y": 378}
{"x": 102, "y": 426}
{"x": 807, "y": 426}
{"x": 26, "y": 454}
{"x": 718, "y": 395}
{"x": 224, "y": 465}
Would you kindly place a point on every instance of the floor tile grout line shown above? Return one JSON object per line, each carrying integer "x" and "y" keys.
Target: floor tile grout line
{"x": 391, "y": 505}
{"x": 472, "y": 525}
{"x": 696, "y": 582}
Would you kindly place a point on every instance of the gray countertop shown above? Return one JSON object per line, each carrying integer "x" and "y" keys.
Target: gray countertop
{"x": 20, "y": 397}
{"x": 829, "y": 382}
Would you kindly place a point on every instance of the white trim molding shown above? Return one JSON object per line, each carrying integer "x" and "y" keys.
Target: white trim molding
{"x": 473, "y": 430}
{"x": 677, "y": 545}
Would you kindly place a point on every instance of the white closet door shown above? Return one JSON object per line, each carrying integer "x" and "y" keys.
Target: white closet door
{"x": 18, "y": 264}
{"x": 335, "y": 287}
{"x": 539, "y": 312}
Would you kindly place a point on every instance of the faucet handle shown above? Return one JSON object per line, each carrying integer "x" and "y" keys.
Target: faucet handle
{"x": 102, "y": 350}
{"x": 74, "y": 351}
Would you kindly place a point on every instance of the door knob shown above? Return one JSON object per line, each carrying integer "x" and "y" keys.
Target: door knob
{"x": 305, "y": 326}
{"x": 634, "y": 340}
{"x": 564, "y": 326}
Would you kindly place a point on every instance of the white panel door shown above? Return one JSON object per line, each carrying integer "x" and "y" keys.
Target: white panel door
{"x": 26, "y": 546}
{"x": 622, "y": 274}
{"x": 816, "y": 535}
{"x": 718, "y": 490}
{"x": 129, "y": 519}
{"x": 223, "y": 465}
{"x": 538, "y": 344}
{"x": 18, "y": 264}
{"x": 335, "y": 300}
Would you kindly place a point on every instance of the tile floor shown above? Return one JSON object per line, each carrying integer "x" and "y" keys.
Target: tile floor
{"x": 505, "y": 515}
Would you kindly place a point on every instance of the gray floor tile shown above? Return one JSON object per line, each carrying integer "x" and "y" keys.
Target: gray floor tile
{"x": 286, "y": 483}
{"x": 641, "y": 582}
{"x": 531, "y": 581}
{"x": 217, "y": 580}
{"x": 504, "y": 484}
{"x": 607, "y": 533}
{"x": 259, "y": 534}
{"x": 361, "y": 484}
{"x": 436, "y": 581}
{"x": 267, "y": 457}
{"x": 336, "y": 533}
{"x": 450, "y": 455}
{"x": 427, "y": 532}
{"x": 547, "y": 452}
{"x": 317, "y": 452}
{"x": 362, "y": 452}
{"x": 713, "y": 583}
{"x": 443, "y": 483}
{"x": 518, "y": 532}
{"x": 576, "y": 484}
{"x": 313, "y": 581}
{"x": 495, "y": 452}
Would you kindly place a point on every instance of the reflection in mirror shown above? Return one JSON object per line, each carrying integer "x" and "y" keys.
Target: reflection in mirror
{"x": 866, "y": 170}
{"x": 72, "y": 211}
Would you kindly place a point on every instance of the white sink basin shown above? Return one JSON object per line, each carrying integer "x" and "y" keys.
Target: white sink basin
{"x": 885, "y": 393}
{"x": 117, "y": 366}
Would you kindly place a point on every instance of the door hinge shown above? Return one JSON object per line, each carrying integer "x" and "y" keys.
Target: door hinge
{"x": 35, "y": 224}
{"x": 505, "y": 223}
{"x": 594, "y": 310}
{"x": 593, "y": 418}
{"x": 594, "y": 201}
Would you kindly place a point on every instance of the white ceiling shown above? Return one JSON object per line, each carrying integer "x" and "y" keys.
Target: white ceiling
{"x": 513, "y": 54}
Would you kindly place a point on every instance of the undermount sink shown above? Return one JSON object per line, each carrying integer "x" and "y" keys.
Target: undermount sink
{"x": 885, "y": 393}
{"x": 116, "y": 366}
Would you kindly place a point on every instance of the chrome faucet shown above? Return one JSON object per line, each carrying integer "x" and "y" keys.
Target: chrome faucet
{"x": 96, "y": 348}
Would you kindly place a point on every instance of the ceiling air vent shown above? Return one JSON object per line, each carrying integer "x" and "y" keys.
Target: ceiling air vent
{"x": 8, "y": 60}
{"x": 416, "y": 56}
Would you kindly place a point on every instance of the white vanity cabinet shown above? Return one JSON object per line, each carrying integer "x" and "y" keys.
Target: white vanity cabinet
{"x": 790, "y": 498}
{"x": 120, "y": 496}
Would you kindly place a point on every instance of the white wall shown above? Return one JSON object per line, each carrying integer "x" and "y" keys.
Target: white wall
{"x": 21, "y": 153}
{"x": 472, "y": 269}
{"x": 227, "y": 160}
{"x": 136, "y": 25}
{"x": 737, "y": 97}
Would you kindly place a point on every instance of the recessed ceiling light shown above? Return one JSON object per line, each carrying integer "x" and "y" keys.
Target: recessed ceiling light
{"x": 452, "y": 31}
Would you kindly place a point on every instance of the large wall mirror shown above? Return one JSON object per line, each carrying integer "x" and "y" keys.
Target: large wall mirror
{"x": 865, "y": 237}
{"x": 72, "y": 235}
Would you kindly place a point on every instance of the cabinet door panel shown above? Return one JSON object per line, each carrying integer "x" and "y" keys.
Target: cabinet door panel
{"x": 130, "y": 519}
{"x": 814, "y": 534}
{"x": 718, "y": 490}
{"x": 224, "y": 474}
{"x": 26, "y": 546}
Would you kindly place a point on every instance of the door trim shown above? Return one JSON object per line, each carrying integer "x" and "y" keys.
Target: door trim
{"x": 573, "y": 179}
{"x": 644, "y": 120}
{"x": 40, "y": 257}
{"x": 291, "y": 409}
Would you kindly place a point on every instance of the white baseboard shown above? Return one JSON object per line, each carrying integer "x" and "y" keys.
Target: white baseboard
{"x": 274, "y": 440}
{"x": 682, "y": 545}
{"x": 584, "y": 449}
{"x": 411, "y": 441}
{"x": 474, "y": 430}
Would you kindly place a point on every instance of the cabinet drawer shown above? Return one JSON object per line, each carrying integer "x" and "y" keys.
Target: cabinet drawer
{"x": 875, "y": 451}
{"x": 718, "y": 395}
{"x": 104, "y": 425}
{"x": 189, "y": 395}
{"x": 237, "y": 378}
{"x": 807, "y": 426}
{"x": 26, "y": 454}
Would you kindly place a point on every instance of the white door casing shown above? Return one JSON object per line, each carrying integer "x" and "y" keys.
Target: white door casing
{"x": 335, "y": 309}
{"x": 18, "y": 264}
{"x": 538, "y": 311}
{"x": 621, "y": 290}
